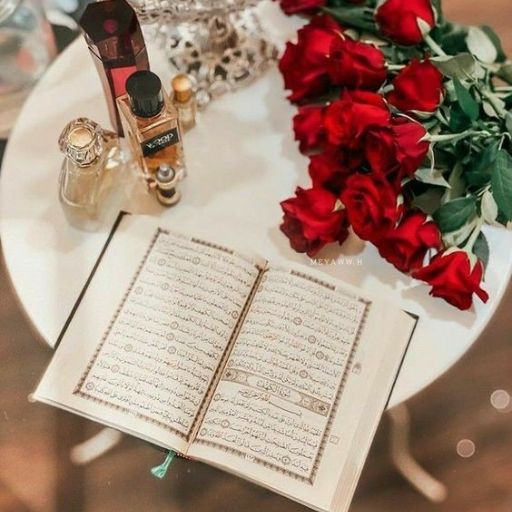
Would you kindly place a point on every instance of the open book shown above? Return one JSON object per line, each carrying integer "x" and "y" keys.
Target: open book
{"x": 277, "y": 374}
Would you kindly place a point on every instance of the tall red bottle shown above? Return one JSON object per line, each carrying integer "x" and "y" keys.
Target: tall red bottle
{"x": 117, "y": 46}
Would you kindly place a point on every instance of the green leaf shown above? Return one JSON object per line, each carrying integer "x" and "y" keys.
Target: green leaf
{"x": 461, "y": 66}
{"x": 491, "y": 34}
{"x": 501, "y": 182}
{"x": 444, "y": 158}
{"x": 481, "y": 249}
{"x": 354, "y": 16}
{"x": 481, "y": 45}
{"x": 502, "y": 219}
{"x": 429, "y": 201}
{"x": 453, "y": 38}
{"x": 438, "y": 8}
{"x": 460, "y": 236}
{"x": 489, "y": 207}
{"x": 456, "y": 182}
{"x": 431, "y": 176}
{"x": 492, "y": 109}
{"x": 508, "y": 122}
{"x": 478, "y": 173}
{"x": 454, "y": 214}
{"x": 467, "y": 103}
{"x": 459, "y": 121}
{"x": 505, "y": 72}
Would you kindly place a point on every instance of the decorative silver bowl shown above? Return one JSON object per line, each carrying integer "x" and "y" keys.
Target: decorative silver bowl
{"x": 219, "y": 42}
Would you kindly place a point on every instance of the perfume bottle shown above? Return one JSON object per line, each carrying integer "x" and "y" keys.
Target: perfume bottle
{"x": 166, "y": 185}
{"x": 150, "y": 123}
{"x": 90, "y": 153}
{"x": 117, "y": 46}
{"x": 184, "y": 98}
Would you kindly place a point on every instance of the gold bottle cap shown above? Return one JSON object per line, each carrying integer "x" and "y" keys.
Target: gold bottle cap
{"x": 183, "y": 86}
{"x": 82, "y": 141}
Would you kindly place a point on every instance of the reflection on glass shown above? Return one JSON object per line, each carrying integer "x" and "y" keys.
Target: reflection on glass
{"x": 27, "y": 47}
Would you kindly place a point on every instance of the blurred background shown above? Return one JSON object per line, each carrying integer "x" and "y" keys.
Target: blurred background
{"x": 461, "y": 428}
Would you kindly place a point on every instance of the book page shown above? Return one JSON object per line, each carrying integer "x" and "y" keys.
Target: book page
{"x": 281, "y": 408}
{"x": 146, "y": 341}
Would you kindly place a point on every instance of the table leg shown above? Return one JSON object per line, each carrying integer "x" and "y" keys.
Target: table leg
{"x": 95, "y": 447}
{"x": 405, "y": 463}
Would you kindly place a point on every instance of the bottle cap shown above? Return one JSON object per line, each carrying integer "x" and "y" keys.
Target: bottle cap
{"x": 144, "y": 89}
{"x": 183, "y": 86}
{"x": 82, "y": 141}
{"x": 166, "y": 181}
{"x": 165, "y": 176}
{"x": 112, "y": 31}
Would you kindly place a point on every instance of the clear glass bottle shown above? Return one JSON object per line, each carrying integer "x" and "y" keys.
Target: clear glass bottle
{"x": 27, "y": 47}
{"x": 89, "y": 152}
{"x": 150, "y": 123}
{"x": 184, "y": 98}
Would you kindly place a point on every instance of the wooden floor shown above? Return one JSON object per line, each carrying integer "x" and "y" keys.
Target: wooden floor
{"x": 36, "y": 474}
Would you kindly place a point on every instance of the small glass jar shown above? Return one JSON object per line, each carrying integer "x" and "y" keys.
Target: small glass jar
{"x": 27, "y": 47}
{"x": 184, "y": 99}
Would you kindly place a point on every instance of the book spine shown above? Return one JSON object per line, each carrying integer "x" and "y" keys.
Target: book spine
{"x": 225, "y": 356}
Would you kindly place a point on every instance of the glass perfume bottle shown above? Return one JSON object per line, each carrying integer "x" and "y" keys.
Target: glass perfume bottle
{"x": 150, "y": 123}
{"x": 117, "y": 46}
{"x": 90, "y": 155}
{"x": 184, "y": 98}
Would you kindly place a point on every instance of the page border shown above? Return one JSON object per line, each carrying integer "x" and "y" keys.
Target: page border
{"x": 316, "y": 465}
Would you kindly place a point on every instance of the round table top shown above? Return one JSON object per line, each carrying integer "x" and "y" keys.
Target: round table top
{"x": 242, "y": 161}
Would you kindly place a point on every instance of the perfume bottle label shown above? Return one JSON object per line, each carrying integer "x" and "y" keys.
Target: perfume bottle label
{"x": 160, "y": 141}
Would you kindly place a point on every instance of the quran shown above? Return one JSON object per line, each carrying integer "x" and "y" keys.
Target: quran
{"x": 275, "y": 373}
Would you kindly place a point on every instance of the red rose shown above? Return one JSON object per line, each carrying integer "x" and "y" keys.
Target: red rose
{"x": 418, "y": 88}
{"x": 347, "y": 119}
{"x": 398, "y": 19}
{"x": 406, "y": 245}
{"x": 355, "y": 64}
{"x": 304, "y": 65}
{"x": 308, "y": 127}
{"x": 312, "y": 220}
{"x": 454, "y": 278}
{"x": 331, "y": 169}
{"x": 301, "y": 6}
{"x": 396, "y": 150}
{"x": 372, "y": 206}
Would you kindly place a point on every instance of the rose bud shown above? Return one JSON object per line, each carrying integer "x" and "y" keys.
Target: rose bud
{"x": 304, "y": 64}
{"x": 331, "y": 168}
{"x": 301, "y": 6}
{"x": 308, "y": 127}
{"x": 454, "y": 277}
{"x": 312, "y": 220}
{"x": 398, "y": 20}
{"x": 372, "y": 206}
{"x": 406, "y": 246}
{"x": 356, "y": 65}
{"x": 417, "y": 89}
{"x": 397, "y": 150}
{"x": 348, "y": 119}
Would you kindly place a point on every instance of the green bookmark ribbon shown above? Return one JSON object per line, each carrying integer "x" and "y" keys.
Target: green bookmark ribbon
{"x": 161, "y": 470}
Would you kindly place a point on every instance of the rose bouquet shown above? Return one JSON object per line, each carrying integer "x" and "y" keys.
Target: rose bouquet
{"x": 405, "y": 119}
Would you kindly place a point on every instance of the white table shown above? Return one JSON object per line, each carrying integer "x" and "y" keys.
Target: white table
{"x": 242, "y": 162}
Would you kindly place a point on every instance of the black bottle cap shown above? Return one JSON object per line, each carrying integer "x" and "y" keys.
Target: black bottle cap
{"x": 145, "y": 91}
